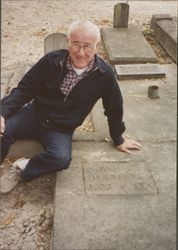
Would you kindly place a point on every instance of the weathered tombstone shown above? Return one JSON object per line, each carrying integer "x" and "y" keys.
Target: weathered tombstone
{"x": 165, "y": 31}
{"x": 55, "y": 41}
{"x": 121, "y": 15}
{"x": 158, "y": 17}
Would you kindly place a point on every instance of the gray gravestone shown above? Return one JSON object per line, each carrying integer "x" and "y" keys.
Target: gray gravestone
{"x": 165, "y": 32}
{"x": 121, "y": 15}
{"x": 55, "y": 41}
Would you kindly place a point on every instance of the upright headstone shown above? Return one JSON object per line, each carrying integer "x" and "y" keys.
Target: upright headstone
{"x": 55, "y": 41}
{"x": 121, "y": 15}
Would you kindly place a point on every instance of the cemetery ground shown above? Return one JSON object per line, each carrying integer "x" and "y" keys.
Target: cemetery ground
{"x": 27, "y": 212}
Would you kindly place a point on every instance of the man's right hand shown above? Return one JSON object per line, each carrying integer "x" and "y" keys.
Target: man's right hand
{"x": 2, "y": 125}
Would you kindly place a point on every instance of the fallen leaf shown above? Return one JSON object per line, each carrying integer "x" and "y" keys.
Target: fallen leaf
{"x": 6, "y": 221}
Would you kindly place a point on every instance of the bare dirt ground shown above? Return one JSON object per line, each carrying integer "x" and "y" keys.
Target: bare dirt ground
{"x": 26, "y": 214}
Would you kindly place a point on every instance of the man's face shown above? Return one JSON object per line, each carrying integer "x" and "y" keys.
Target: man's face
{"x": 82, "y": 48}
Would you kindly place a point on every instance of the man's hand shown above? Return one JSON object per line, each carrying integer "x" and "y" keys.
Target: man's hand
{"x": 128, "y": 145}
{"x": 2, "y": 125}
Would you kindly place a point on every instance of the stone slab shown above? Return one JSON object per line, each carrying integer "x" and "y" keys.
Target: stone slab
{"x": 149, "y": 119}
{"x": 170, "y": 27}
{"x": 102, "y": 222}
{"x": 165, "y": 31}
{"x": 127, "y": 45}
{"x": 138, "y": 71}
{"x": 157, "y": 17}
{"x": 118, "y": 179}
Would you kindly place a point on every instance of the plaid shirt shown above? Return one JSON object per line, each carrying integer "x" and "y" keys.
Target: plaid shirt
{"x": 71, "y": 79}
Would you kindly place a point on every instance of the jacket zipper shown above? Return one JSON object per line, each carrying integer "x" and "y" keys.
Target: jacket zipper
{"x": 66, "y": 96}
{"x": 60, "y": 73}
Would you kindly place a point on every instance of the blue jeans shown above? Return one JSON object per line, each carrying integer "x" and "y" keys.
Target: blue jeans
{"x": 57, "y": 145}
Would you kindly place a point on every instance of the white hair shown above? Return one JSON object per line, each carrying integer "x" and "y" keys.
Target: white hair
{"x": 85, "y": 25}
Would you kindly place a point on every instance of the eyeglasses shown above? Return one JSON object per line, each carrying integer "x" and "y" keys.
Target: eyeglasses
{"x": 86, "y": 47}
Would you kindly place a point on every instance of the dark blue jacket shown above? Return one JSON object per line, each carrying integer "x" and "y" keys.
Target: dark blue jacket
{"x": 41, "y": 86}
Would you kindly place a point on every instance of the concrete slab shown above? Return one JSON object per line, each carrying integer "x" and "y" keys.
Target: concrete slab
{"x": 165, "y": 31}
{"x": 149, "y": 119}
{"x": 120, "y": 221}
{"x": 110, "y": 200}
{"x": 127, "y": 45}
{"x": 138, "y": 71}
{"x": 170, "y": 27}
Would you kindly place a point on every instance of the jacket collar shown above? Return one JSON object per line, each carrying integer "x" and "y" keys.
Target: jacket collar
{"x": 63, "y": 55}
{"x": 101, "y": 64}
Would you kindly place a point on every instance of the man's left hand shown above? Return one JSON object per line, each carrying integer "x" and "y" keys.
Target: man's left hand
{"x": 128, "y": 145}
